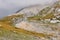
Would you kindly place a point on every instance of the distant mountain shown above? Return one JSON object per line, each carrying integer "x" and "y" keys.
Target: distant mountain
{"x": 35, "y": 10}
{"x": 37, "y": 20}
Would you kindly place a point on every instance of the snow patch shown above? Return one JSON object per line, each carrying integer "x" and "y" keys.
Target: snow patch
{"x": 54, "y": 21}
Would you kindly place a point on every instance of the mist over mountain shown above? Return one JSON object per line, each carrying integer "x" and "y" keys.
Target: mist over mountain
{"x": 11, "y": 6}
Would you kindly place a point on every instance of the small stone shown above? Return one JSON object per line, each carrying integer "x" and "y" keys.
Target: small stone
{"x": 58, "y": 10}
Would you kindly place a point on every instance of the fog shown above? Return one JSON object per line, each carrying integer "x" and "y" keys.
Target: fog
{"x": 11, "y": 6}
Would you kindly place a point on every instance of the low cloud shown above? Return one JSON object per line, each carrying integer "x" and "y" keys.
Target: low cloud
{"x": 10, "y": 6}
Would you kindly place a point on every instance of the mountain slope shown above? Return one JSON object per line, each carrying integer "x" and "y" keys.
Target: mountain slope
{"x": 33, "y": 22}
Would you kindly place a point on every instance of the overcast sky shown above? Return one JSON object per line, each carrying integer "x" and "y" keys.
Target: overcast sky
{"x": 10, "y": 6}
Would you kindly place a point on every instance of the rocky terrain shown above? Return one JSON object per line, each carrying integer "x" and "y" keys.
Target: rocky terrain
{"x": 32, "y": 23}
